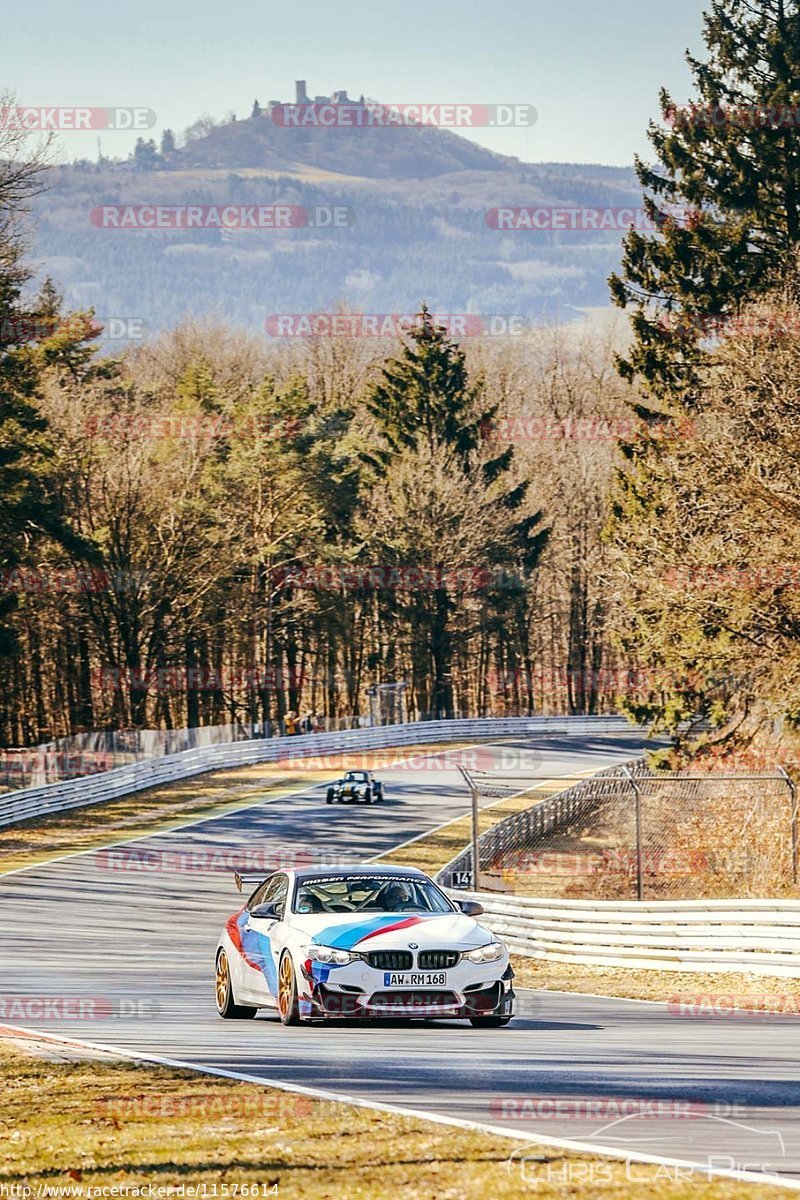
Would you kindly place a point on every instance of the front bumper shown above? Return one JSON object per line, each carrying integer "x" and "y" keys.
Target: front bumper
{"x": 469, "y": 990}
{"x": 348, "y": 796}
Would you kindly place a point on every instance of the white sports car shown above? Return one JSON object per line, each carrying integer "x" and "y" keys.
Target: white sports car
{"x": 361, "y": 942}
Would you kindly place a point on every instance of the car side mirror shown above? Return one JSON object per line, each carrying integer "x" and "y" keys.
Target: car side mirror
{"x": 268, "y": 911}
{"x": 471, "y": 908}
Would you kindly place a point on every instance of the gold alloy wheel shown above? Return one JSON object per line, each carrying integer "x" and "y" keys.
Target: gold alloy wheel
{"x": 223, "y": 980}
{"x": 285, "y": 986}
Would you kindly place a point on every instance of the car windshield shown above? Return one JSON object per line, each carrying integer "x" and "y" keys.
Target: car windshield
{"x": 370, "y": 893}
{"x": 356, "y": 777}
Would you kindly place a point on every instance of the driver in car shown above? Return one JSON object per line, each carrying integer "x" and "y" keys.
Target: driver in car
{"x": 397, "y": 897}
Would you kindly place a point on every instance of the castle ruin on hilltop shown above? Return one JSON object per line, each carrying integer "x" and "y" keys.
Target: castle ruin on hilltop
{"x": 301, "y": 96}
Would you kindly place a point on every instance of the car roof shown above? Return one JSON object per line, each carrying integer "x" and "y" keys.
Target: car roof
{"x": 359, "y": 871}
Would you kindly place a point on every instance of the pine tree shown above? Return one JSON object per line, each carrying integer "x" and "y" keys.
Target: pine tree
{"x": 724, "y": 194}
{"x": 256, "y": 110}
{"x": 425, "y": 397}
{"x": 426, "y": 408}
{"x": 31, "y": 510}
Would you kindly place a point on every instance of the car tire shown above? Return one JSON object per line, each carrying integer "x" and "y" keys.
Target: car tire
{"x": 368, "y": 796}
{"x": 226, "y": 1004}
{"x": 329, "y": 796}
{"x": 488, "y": 1021}
{"x": 288, "y": 1004}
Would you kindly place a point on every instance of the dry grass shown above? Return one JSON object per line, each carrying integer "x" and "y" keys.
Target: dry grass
{"x": 710, "y": 839}
{"x": 114, "y": 1124}
{"x": 156, "y": 810}
{"x": 159, "y": 809}
{"x": 433, "y": 851}
{"x": 753, "y": 992}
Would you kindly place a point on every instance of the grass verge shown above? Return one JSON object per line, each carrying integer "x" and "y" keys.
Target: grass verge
{"x": 434, "y": 850}
{"x": 727, "y": 991}
{"x": 156, "y": 810}
{"x": 108, "y": 1124}
{"x": 721, "y": 990}
{"x": 168, "y": 806}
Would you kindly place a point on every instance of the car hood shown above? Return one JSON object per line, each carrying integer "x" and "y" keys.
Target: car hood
{"x": 392, "y": 931}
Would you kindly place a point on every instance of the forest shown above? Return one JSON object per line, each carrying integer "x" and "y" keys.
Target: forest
{"x": 242, "y": 532}
{"x": 217, "y": 527}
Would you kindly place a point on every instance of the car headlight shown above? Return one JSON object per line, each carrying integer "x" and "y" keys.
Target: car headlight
{"x": 488, "y": 953}
{"x": 331, "y": 955}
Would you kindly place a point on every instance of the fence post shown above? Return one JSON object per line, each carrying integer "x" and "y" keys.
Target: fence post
{"x": 476, "y": 869}
{"x": 638, "y": 798}
{"x": 793, "y": 793}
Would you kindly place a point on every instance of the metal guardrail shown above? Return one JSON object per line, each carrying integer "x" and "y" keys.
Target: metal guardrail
{"x": 33, "y": 802}
{"x": 91, "y": 753}
{"x": 759, "y": 937}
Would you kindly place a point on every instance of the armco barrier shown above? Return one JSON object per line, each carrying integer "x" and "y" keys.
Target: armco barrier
{"x": 759, "y": 937}
{"x": 75, "y": 793}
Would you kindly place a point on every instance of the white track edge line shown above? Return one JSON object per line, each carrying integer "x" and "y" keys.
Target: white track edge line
{"x": 243, "y": 808}
{"x": 416, "y": 1113}
{"x": 418, "y": 837}
{"x": 198, "y": 820}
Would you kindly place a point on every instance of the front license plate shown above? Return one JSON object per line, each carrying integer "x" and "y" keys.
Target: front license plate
{"x": 411, "y": 979}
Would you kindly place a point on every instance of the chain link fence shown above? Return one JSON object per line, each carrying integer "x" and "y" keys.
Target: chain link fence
{"x": 629, "y": 833}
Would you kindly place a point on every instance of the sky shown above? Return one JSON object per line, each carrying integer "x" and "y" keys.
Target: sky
{"x": 591, "y": 68}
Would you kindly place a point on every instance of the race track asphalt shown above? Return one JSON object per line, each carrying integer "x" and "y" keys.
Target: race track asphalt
{"x": 133, "y": 936}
